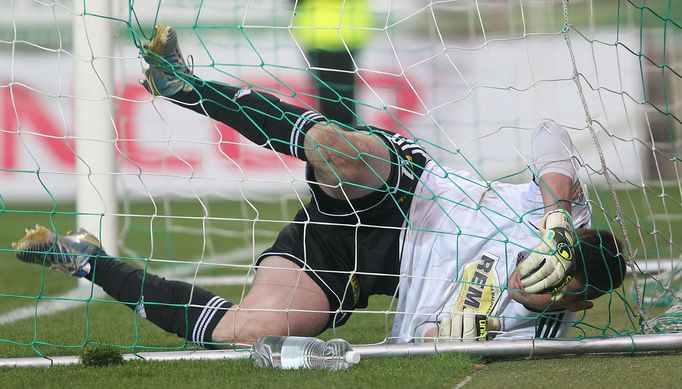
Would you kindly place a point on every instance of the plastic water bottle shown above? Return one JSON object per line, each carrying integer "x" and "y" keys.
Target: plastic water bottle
{"x": 293, "y": 352}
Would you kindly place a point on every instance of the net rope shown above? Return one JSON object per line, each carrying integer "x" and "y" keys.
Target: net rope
{"x": 185, "y": 220}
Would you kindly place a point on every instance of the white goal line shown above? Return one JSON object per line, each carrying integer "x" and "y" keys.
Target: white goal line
{"x": 655, "y": 266}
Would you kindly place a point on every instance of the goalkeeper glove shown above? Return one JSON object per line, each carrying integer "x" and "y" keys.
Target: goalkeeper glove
{"x": 467, "y": 326}
{"x": 550, "y": 267}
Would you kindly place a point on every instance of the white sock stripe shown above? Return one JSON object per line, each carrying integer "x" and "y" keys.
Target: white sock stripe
{"x": 293, "y": 136}
{"x": 307, "y": 117}
{"x": 201, "y": 317}
{"x": 204, "y": 322}
{"x": 210, "y": 317}
{"x": 296, "y": 129}
{"x": 300, "y": 132}
{"x": 200, "y": 327}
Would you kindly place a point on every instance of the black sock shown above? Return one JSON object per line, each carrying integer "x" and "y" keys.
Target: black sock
{"x": 165, "y": 303}
{"x": 260, "y": 117}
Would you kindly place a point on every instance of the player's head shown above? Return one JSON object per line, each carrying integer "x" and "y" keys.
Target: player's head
{"x": 600, "y": 265}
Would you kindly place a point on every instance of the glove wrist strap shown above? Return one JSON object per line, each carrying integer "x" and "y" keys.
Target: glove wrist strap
{"x": 557, "y": 218}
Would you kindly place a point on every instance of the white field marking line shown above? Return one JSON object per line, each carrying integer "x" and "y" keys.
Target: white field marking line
{"x": 82, "y": 292}
{"x": 463, "y": 382}
{"x": 665, "y": 216}
{"x": 221, "y": 280}
{"x": 49, "y": 307}
{"x": 656, "y": 266}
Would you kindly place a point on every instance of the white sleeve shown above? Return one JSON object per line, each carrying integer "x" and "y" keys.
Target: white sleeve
{"x": 552, "y": 149}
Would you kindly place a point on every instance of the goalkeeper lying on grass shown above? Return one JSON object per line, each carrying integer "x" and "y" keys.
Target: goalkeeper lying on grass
{"x": 383, "y": 219}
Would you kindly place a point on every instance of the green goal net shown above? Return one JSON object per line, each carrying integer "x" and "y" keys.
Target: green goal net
{"x": 189, "y": 198}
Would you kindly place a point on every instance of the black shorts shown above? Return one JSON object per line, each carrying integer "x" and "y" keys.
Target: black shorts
{"x": 351, "y": 250}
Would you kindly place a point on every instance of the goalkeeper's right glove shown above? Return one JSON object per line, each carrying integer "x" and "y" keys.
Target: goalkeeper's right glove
{"x": 467, "y": 326}
{"x": 550, "y": 267}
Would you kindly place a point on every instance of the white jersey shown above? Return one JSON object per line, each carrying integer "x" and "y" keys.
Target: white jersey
{"x": 461, "y": 246}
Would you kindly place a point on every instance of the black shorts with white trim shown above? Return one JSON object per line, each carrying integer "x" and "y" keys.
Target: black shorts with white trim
{"x": 351, "y": 248}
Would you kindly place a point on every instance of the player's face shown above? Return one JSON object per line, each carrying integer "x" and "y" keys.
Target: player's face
{"x": 572, "y": 298}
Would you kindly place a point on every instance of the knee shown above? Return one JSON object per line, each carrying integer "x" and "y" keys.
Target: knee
{"x": 328, "y": 146}
{"x": 284, "y": 323}
{"x": 346, "y": 156}
{"x": 246, "y": 326}
{"x": 271, "y": 326}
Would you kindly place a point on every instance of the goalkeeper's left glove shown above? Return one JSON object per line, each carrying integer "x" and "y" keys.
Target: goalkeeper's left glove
{"x": 467, "y": 326}
{"x": 550, "y": 267}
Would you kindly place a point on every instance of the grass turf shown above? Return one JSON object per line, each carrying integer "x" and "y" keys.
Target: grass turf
{"x": 654, "y": 371}
{"x": 103, "y": 320}
{"x": 404, "y": 372}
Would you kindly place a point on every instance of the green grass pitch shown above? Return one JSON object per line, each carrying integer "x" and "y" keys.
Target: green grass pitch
{"x": 102, "y": 320}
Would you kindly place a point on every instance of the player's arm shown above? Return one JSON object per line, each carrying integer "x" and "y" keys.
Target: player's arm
{"x": 552, "y": 153}
{"x": 549, "y": 267}
{"x": 556, "y": 188}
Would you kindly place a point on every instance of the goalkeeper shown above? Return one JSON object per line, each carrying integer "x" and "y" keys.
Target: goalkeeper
{"x": 383, "y": 219}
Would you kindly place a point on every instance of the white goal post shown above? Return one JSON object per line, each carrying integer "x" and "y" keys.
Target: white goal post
{"x": 95, "y": 146}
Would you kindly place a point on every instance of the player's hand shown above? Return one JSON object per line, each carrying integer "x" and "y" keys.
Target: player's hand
{"x": 550, "y": 267}
{"x": 467, "y": 326}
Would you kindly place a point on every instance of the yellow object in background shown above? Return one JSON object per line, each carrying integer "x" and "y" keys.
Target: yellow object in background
{"x": 328, "y": 24}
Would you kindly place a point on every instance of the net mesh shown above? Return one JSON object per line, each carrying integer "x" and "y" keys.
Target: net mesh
{"x": 466, "y": 80}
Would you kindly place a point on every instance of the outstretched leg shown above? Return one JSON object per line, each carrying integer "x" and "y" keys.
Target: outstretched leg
{"x": 282, "y": 301}
{"x": 347, "y": 162}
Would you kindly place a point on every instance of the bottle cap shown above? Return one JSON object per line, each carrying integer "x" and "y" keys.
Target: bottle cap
{"x": 352, "y": 357}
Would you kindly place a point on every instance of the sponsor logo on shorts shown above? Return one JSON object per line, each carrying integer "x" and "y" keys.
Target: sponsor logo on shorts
{"x": 355, "y": 286}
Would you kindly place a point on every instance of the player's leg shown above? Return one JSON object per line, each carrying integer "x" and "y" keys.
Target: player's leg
{"x": 178, "y": 307}
{"x": 348, "y": 163}
{"x": 283, "y": 300}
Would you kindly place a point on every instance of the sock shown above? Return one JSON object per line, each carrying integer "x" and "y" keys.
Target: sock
{"x": 260, "y": 117}
{"x": 165, "y": 303}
